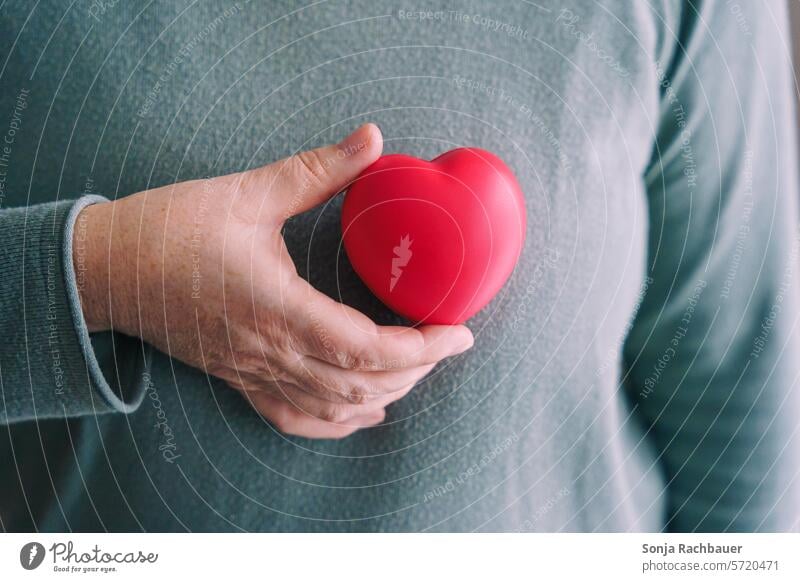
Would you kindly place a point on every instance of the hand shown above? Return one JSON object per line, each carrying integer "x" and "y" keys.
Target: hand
{"x": 200, "y": 270}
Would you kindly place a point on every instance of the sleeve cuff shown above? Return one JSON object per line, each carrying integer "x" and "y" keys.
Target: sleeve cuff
{"x": 120, "y": 376}
{"x": 48, "y": 365}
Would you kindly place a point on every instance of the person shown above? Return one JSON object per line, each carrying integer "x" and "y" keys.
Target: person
{"x": 186, "y": 346}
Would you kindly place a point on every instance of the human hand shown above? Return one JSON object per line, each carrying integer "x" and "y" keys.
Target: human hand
{"x": 200, "y": 270}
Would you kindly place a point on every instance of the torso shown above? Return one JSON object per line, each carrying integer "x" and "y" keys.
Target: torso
{"x": 529, "y": 429}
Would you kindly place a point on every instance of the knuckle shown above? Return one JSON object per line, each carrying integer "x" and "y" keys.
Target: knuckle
{"x": 327, "y": 414}
{"x": 330, "y": 388}
{"x": 311, "y": 165}
{"x": 362, "y": 358}
{"x": 360, "y": 394}
{"x": 358, "y": 399}
{"x": 334, "y": 414}
{"x": 362, "y": 351}
{"x": 343, "y": 359}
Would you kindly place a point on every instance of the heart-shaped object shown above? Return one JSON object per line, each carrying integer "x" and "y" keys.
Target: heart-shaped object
{"x": 435, "y": 241}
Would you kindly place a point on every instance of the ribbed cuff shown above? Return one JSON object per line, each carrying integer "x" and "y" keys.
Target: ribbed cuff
{"x": 121, "y": 380}
{"x": 48, "y": 365}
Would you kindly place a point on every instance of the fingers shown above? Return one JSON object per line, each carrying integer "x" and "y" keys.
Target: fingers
{"x": 289, "y": 420}
{"x": 334, "y": 384}
{"x": 328, "y": 402}
{"x": 309, "y": 178}
{"x": 347, "y": 338}
{"x": 336, "y": 413}
{"x": 322, "y": 406}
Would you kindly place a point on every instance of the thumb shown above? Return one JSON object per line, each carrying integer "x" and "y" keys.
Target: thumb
{"x": 307, "y": 179}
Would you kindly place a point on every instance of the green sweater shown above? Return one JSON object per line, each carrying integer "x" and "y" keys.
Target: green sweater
{"x": 639, "y": 371}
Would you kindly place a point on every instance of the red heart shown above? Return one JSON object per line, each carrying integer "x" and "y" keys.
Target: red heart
{"x": 435, "y": 241}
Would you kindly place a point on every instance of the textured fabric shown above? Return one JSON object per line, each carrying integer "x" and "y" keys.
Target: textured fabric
{"x": 639, "y": 370}
{"x": 48, "y": 365}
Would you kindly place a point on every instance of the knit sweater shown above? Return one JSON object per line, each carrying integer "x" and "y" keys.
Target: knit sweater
{"x": 638, "y": 372}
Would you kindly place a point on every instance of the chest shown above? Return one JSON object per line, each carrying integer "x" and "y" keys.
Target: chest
{"x": 125, "y": 97}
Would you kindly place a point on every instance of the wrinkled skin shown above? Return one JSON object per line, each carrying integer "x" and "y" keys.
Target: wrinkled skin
{"x": 200, "y": 270}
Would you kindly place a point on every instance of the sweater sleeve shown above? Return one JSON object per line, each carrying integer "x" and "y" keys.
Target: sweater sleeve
{"x": 50, "y": 366}
{"x": 712, "y": 359}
